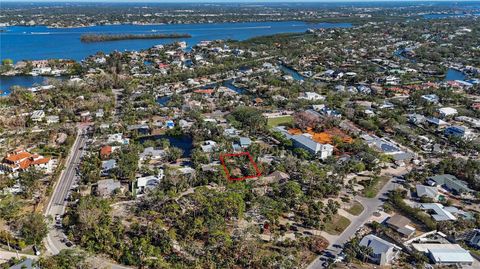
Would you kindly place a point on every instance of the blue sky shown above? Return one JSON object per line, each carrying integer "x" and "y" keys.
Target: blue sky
{"x": 228, "y": 1}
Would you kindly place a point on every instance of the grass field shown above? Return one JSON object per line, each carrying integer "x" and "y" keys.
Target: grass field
{"x": 273, "y": 122}
{"x": 337, "y": 225}
{"x": 374, "y": 186}
{"x": 356, "y": 209}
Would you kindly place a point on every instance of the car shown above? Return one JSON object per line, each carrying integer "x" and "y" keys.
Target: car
{"x": 36, "y": 251}
{"x": 307, "y": 232}
{"x": 325, "y": 264}
{"x": 337, "y": 246}
{"x": 68, "y": 243}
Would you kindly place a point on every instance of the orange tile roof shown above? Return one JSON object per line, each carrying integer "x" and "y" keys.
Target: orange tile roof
{"x": 206, "y": 91}
{"x": 106, "y": 150}
{"x": 18, "y": 156}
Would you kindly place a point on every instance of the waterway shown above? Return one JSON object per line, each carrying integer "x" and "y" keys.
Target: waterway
{"x": 41, "y": 42}
{"x": 183, "y": 142}
{"x": 289, "y": 71}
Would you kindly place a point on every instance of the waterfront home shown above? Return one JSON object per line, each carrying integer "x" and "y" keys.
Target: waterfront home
{"x": 209, "y": 146}
{"x": 383, "y": 252}
{"x": 151, "y": 153}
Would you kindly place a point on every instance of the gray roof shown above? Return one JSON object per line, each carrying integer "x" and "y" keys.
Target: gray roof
{"x": 440, "y": 214}
{"x": 451, "y": 182}
{"x": 423, "y": 190}
{"x": 305, "y": 141}
{"x": 377, "y": 244}
{"x": 450, "y": 255}
{"x": 245, "y": 141}
{"x": 109, "y": 164}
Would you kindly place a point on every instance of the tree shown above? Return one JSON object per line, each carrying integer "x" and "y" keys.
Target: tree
{"x": 174, "y": 154}
{"x": 33, "y": 228}
{"x": 66, "y": 259}
{"x": 29, "y": 181}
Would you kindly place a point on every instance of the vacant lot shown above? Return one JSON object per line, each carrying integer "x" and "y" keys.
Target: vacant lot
{"x": 337, "y": 225}
{"x": 356, "y": 209}
{"x": 273, "y": 122}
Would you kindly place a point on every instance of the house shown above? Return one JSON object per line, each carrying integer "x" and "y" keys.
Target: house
{"x": 140, "y": 128}
{"x": 450, "y": 183}
{"x": 209, "y": 146}
{"x": 106, "y": 187}
{"x": 147, "y": 183}
{"x": 105, "y": 152}
{"x": 459, "y": 131}
{"x": 445, "y": 254}
{"x": 245, "y": 142}
{"x": 426, "y": 191}
{"x": 307, "y": 143}
{"x": 152, "y": 154}
{"x": 37, "y": 115}
{"x": 20, "y": 160}
{"x": 447, "y": 112}
{"x": 53, "y": 119}
{"x": 431, "y": 98}
{"x": 311, "y": 96}
{"x": 437, "y": 211}
{"x": 117, "y": 138}
{"x": 474, "y": 239}
{"x": 383, "y": 252}
{"x": 108, "y": 166}
{"x": 401, "y": 224}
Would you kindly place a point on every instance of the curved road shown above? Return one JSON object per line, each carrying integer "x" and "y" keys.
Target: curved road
{"x": 370, "y": 206}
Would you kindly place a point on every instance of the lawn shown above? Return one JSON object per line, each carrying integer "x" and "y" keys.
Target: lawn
{"x": 356, "y": 209}
{"x": 373, "y": 186}
{"x": 337, "y": 225}
{"x": 273, "y": 122}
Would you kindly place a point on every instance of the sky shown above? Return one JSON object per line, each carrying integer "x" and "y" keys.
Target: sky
{"x": 227, "y": 1}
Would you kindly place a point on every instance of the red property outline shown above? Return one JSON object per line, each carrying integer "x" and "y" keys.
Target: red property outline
{"x": 252, "y": 162}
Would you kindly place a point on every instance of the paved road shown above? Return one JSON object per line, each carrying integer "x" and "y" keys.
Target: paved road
{"x": 370, "y": 205}
{"x": 57, "y": 202}
{"x": 7, "y": 255}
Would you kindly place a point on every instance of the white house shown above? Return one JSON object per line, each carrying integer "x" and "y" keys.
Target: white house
{"x": 37, "y": 115}
{"x": 447, "y": 112}
{"x": 383, "y": 251}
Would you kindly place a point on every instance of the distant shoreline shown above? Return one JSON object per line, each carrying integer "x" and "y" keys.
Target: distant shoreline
{"x": 88, "y": 38}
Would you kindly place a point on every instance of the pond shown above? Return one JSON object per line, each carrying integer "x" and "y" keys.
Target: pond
{"x": 454, "y": 74}
{"x": 183, "y": 142}
{"x": 163, "y": 100}
{"x": 291, "y": 72}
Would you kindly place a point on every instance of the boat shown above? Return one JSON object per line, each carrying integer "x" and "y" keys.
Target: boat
{"x": 40, "y": 33}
